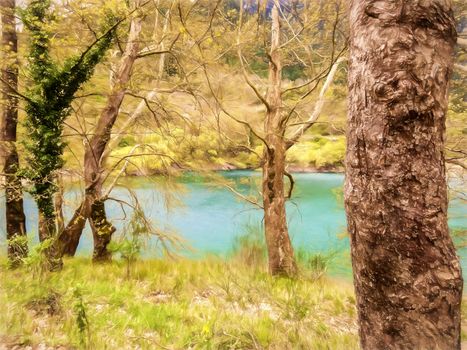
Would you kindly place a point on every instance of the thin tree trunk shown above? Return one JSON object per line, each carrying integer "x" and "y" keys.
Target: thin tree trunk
{"x": 407, "y": 275}
{"x": 58, "y": 202}
{"x": 48, "y": 233}
{"x": 93, "y": 157}
{"x": 280, "y": 251}
{"x": 15, "y": 218}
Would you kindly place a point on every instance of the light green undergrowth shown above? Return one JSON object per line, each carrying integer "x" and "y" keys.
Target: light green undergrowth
{"x": 175, "y": 304}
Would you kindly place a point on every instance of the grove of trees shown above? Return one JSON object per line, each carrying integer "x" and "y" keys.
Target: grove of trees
{"x": 93, "y": 91}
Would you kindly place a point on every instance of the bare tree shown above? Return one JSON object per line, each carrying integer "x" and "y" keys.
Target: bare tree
{"x": 407, "y": 275}
{"x": 15, "y": 218}
{"x": 92, "y": 206}
{"x": 284, "y": 119}
{"x": 280, "y": 251}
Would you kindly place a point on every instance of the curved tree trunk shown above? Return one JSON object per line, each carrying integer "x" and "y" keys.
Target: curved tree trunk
{"x": 406, "y": 273}
{"x": 15, "y": 218}
{"x": 280, "y": 251}
{"x": 69, "y": 238}
{"x": 92, "y": 207}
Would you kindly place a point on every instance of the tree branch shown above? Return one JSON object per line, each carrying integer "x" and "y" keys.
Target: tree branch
{"x": 318, "y": 107}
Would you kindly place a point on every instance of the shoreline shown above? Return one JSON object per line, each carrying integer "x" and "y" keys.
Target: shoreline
{"x": 296, "y": 169}
{"x": 70, "y": 176}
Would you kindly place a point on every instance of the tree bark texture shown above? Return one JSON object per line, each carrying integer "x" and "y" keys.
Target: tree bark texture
{"x": 280, "y": 250}
{"x": 92, "y": 207}
{"x": 58, "y": 202}
{"x": 48, "y": 234}
{"x": 102, "y": 231}
{"x": 407, "y": 275}
{"x": 14, "y": 218}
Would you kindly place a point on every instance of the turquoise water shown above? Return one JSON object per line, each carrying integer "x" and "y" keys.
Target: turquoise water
{"x": 209, "y": 216}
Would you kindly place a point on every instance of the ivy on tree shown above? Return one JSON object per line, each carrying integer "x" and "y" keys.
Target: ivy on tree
{"x": 49, "y": 98}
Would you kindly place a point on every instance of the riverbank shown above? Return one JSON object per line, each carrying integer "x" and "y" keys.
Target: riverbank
{"x": 175, "y": 304}
{"x": 231, "y": 167}
{"x": 179, "y": 304}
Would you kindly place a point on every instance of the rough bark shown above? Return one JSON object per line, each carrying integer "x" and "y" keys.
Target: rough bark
{"x": 14, "y": 218}
{"x": 69, "y": 237}
{"x": 102, "y": 231}
{"x": 407, "y": 276}
{"x": 14, "y": 212}
{"x": 58, "y": 202}
{"x": 48, "y": 232}
{"x": 280, "y": 251}
{"x": 93, "y": 160}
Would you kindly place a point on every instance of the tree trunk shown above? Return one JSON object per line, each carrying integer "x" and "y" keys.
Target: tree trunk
{"x": 93, "y": 160}
{"x": 15, "y": 218}
{"x": 69, "y": 238}
{"x": 280, "y": 251}
{"x": 407, "y": 276}
{"x": 48, "y": 233}
{"x": 102, "y": 231}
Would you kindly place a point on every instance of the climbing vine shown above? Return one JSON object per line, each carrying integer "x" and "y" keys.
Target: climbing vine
{"x": 49, "y": 97}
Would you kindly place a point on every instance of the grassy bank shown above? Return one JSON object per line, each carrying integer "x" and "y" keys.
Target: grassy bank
{"x": 208, "y": 304}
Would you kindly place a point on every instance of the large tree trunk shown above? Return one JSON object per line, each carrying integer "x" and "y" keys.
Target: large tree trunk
{"x": 15, "y": 218}
{"x": 407, "y": 276}
{"x": 92, "y": 207}
{"x": 280, "y": 251}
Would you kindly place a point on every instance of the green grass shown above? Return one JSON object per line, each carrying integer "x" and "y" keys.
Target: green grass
{"x": 182, "y": 304}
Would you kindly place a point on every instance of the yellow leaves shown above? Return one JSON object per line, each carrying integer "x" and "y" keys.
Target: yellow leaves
{"x": 322, "y": 151}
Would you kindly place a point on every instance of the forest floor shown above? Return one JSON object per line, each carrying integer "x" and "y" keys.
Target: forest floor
{"x": 181, "y": 304}
{"x": 175, "y": 304}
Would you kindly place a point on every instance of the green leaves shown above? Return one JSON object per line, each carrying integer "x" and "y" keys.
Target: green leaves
{"x": 50, "y": 95}
{"x": 81, "y": 318}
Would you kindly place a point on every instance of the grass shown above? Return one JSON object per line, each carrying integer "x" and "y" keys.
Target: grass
{"x": 182, "y": 304}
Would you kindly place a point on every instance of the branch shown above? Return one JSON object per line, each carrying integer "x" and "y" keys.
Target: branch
{"x": 249, "y": 82}
{"x": 457, "y": 162}
{"x": 461, "y": 67}
{"x": 242, "y": 63}
{"x": 97, "y": 41}
{"x": 245, "y": 198}
{"x": 292, "y": 184}
{"x": 15, "y": 92}
{"x": 318, "y": 107}
{"x": 462, "y": 42}
{"x": 120, "y": 173}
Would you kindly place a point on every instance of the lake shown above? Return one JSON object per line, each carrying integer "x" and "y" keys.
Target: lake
{"x": 208, "y": 216}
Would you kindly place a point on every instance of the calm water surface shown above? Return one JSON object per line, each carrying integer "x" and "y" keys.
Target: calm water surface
{"x": 209, "y": 216}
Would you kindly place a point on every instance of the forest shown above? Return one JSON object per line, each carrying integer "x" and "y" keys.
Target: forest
{"x": 233, "y": 174}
